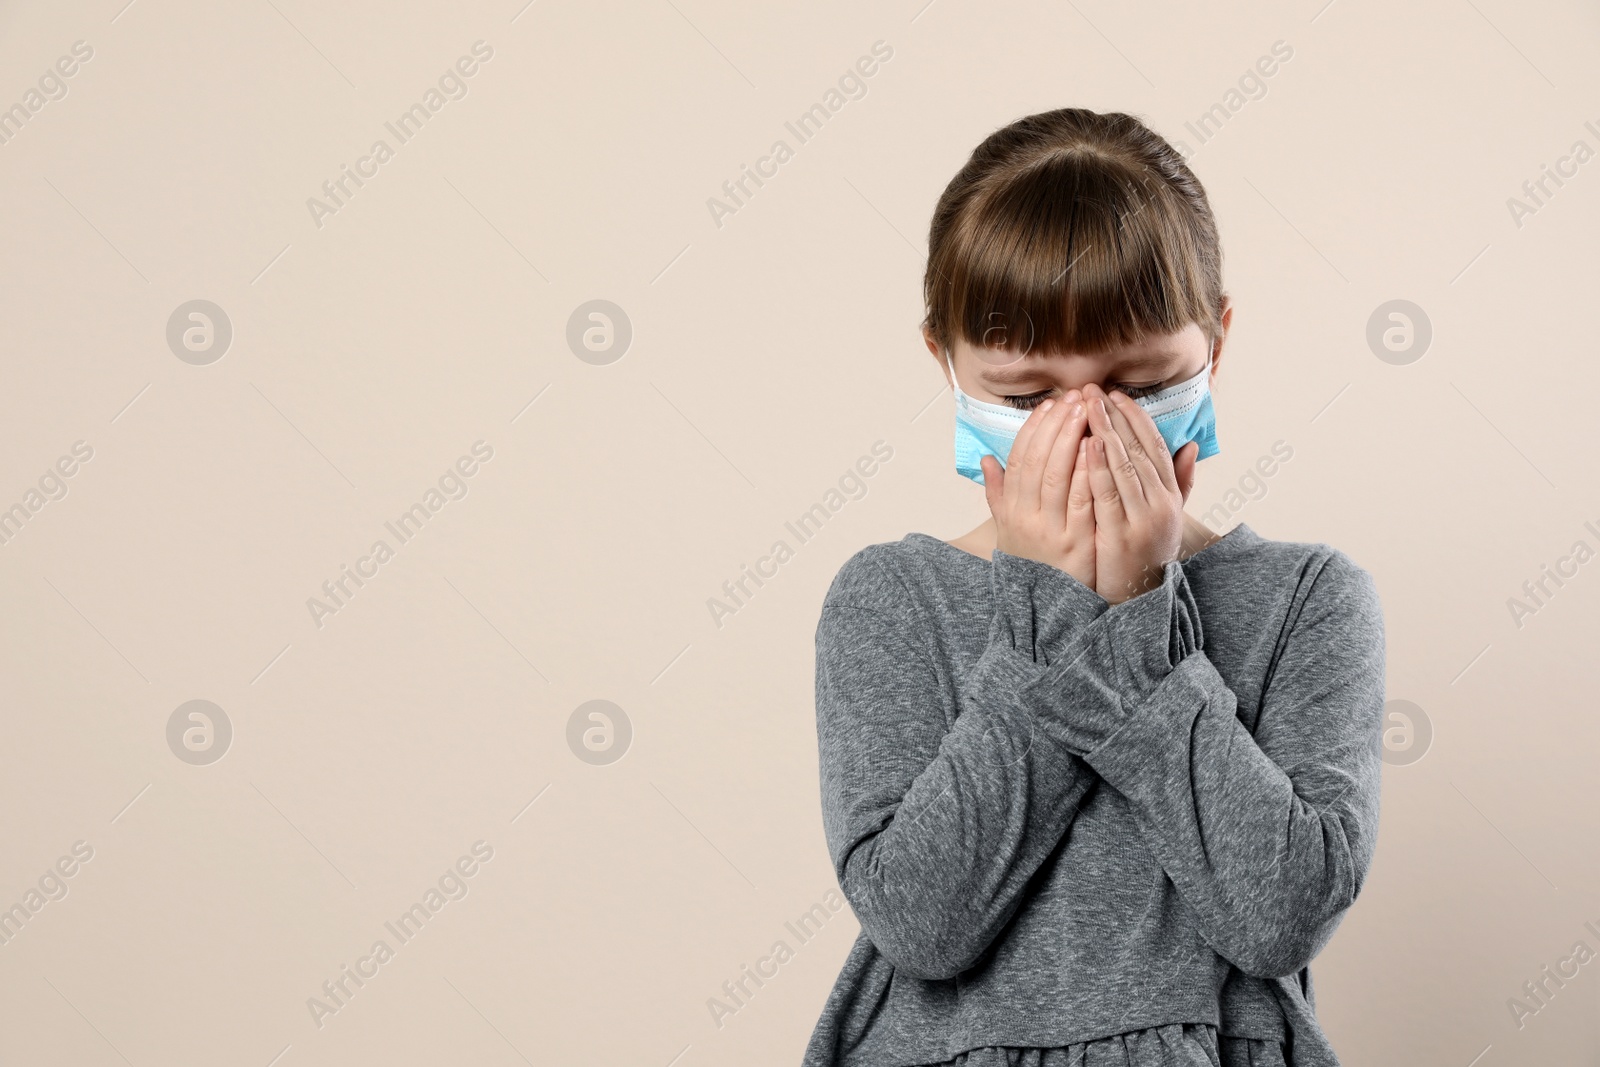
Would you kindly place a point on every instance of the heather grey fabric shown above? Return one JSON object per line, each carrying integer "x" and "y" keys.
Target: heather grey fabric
{"x": 1065, "y": 825}
{"x": 1172, "y": 1045}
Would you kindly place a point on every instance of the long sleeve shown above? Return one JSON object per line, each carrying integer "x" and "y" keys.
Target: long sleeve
{"x": 934, "y": 827}
{"x": 1268, "y": 837}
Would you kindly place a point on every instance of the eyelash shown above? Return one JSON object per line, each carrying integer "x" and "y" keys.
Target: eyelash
{"x": 1033, "y": 400}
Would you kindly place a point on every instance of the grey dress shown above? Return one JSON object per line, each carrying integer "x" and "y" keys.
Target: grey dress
{"x": 1077, "y": 834}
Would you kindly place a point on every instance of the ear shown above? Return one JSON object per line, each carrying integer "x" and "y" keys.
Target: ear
{"x": 1221, "y": 339}
{"x": 938, "y": 353}
{"x": 1183, "y": 468}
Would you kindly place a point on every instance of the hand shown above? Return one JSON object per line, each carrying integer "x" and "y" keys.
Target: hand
{"x": 1138, "y": 495}
{"x": 1041, "y": 502}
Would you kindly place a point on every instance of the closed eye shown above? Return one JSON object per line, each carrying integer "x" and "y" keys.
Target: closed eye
{"x": 1029, "y": 401}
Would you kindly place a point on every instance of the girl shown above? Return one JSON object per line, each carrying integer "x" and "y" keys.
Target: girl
{"x": 1097, "y": 782}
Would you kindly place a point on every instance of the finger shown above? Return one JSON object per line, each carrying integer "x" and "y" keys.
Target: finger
{"x": 1123, "y": 471}
{"x": 1056, "y": 481}
{"x": 994, "y": 484}
{"x": 1080, "y": 498}
{"x": 1108, "y": 506}
{"x": 1029, "y": 453}
{"x": 1148, "y": 463}
{"x": 1183, "y": 468}
{"x": 1080, "y": 517}
{"x": 1155, "y": 446}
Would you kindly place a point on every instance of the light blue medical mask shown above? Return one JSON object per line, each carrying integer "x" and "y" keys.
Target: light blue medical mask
{"x": 1182, "y": 413}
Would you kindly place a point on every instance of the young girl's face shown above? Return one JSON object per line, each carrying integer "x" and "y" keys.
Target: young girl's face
{"x": 1001, "y": 376}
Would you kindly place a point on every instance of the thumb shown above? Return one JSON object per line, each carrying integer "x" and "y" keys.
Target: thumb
{"x": 994, "y": 481}
{"x": 1183, "y": 468}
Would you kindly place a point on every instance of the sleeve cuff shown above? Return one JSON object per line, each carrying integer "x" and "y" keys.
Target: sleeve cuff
{"x": 1119, "y": 660}
{"x": 1038, "y": 608}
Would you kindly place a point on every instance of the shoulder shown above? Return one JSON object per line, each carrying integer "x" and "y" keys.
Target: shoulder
{"x": 1328, "y": 575}
{"x": 1317, "y": 577}
{"x": 879, "y": 577}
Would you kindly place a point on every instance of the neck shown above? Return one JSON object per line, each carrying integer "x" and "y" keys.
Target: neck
{"x": 1196, "y": 535}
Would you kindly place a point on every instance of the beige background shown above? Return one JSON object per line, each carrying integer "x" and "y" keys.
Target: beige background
{"x": 768, "y": 355}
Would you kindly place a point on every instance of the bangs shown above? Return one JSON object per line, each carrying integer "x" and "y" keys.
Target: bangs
{"x": 1072, "y": 251}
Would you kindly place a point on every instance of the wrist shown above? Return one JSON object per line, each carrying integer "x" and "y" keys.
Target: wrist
{"x": 1123, "y": 590}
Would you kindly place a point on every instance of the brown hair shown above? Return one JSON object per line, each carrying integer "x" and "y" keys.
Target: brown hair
{"x": 1072, "y": 230}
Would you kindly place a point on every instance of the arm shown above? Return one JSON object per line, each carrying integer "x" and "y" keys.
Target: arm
{"x": 1268, "y": 837}
{"x": 935, "y": 830}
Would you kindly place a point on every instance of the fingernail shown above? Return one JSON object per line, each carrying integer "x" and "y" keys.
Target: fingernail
{"x": 1076, "y": 409}
{"x": 1046, "y": 405}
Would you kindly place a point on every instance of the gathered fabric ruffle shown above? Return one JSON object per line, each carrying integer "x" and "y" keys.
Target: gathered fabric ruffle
{"x": 1172, "y": 1045}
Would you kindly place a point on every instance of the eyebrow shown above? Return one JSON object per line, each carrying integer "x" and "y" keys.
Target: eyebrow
{"x": 1012, "y": 375}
